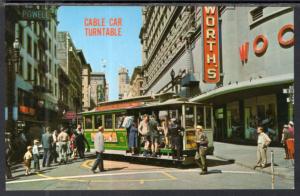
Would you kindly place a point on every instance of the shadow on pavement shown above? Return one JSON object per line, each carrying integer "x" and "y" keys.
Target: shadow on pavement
{"x": 214, "y": 171}
{"x": 115, "y": 168}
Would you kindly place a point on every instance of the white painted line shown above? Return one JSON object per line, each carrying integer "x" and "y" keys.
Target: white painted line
{"x": 119, "y": 174}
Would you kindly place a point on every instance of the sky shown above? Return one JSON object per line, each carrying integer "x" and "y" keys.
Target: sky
{"x": 112, "y": 51}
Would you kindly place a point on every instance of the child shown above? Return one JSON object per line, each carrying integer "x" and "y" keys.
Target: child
{"x": 27, "y": 160}
{"x": 36, "y": 156}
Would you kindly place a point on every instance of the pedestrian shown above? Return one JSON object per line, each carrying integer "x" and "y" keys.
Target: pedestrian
{"x": 8, "y": 153}
{"x": 263, "y": 142}
{"x": 72, "y": 146}
{"x": 154, "y": 135}
{"x": 175, "y": 131}
{"x": 133, "y": 134}
{"x": 63, "y": 139}
{"x": 80, "y": 142}
{"x": 99, "y": 147}
{"x": 285, "y": 136}
{"x": 202, "y": 144}
{"x": 47, "y": 146}
{"x": 144, "y": 131}
{"x": 54, "y": 153}
{"x": 27, "y": 160}
{"x": 165, "y": 128}
{"x": 291, "y": 129}
{"x": 36, "y": 156}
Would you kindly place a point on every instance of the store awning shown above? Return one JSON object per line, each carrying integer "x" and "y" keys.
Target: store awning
{"x": 245, "y": 86}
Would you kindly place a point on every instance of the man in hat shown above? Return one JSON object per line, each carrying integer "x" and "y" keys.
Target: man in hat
{"x": 99, "y": 147}
{"x": 174, "y": 131}
{"x": 36, "y": 155}
{"x": 202, "y": 144}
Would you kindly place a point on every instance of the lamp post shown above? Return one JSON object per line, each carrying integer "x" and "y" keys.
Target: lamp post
{"x": 12, "y": 63}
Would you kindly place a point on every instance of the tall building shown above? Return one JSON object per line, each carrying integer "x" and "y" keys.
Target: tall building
{"x": 86, "y": 87}
{"x": 123, "y": 82}
{"x": 136, "y": 83}
{"x": 33, "y": 76}
{"x": 167, "y": 36}
{"x": 240, "y": 59}
{"x": 70, "y": 62}
{"x": 98, "y": 88}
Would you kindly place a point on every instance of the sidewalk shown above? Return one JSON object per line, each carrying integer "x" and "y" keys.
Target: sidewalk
{"x": 246, "y": 156}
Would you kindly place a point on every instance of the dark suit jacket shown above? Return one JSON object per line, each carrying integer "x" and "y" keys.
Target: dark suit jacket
{"x": 47, "y": 140}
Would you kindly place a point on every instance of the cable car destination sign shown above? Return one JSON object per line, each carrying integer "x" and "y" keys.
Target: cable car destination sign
{"x": 210, "y": 44}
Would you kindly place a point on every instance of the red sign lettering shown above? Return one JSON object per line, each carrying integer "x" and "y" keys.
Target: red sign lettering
{"x": 282, "y": 31}
{"x": 210, "y": 42}
{"x": 244, "y": 52}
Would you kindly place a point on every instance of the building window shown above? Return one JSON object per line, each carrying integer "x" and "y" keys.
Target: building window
{"x": 35, "y": 76}
{"x": 20, "y": 68}
{"x": 50, "y": 86}
{"x": 29, "y": 68}
{"x": 29, "y": 42}
{"x": 55, "y": 90}
{"x": 55, "y": 70}
{"x": 50, "y": 66}
{"x": 35, "y": 51}
{"x": 21, "y": 32}
{"x": 50, "y": 45}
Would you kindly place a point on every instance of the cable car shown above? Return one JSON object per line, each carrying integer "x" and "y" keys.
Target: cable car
{"x": 111, "y": 115}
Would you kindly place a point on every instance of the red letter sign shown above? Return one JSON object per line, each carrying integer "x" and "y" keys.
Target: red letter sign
{"x": 210, "y": 44}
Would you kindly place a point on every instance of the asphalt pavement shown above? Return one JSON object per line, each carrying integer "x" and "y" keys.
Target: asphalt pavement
{"x": 245, "y": 155}
{"x": 122, "y": 175}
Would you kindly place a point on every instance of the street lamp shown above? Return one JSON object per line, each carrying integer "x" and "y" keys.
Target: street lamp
{"x": 13, "y": 61}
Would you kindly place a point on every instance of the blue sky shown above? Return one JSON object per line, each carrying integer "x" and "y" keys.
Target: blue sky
{"x": 109, "y": 50}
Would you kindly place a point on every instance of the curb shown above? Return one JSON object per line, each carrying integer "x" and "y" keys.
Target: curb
{"x": 251, "y": 167}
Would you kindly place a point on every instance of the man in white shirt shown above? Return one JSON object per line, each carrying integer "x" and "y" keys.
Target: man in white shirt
{"x": 99, "y": 147}
{"x": 263, "y": 142}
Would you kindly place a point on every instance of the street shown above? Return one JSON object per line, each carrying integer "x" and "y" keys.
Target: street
{"x": 133, "y": 176}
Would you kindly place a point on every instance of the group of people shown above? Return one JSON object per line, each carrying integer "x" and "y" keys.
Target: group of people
{"x": 263, "y": 141}
{"x": 152, "y": 132}
{"x": 63, "y": 145}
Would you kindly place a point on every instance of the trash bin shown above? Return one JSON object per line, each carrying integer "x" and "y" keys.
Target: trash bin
{"x": 291, "y": 149}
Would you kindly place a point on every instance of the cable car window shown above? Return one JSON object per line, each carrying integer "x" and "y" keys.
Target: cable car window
{"x": 200, "y": 116}
{"x": 119, "y": 120}
{"x": 98, "y": 121}
{"x": 108, "y": 121}
{"x": 88, "y": 122}
{"x": 189, "y": 117}
{"x": 208, "y": 117}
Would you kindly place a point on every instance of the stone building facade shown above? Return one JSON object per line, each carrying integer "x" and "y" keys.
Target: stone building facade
{"x": 256, "y": 55}
{"x": 123, "y": 83}
{"x": 71, "y": 64}
{"x": 98, "y": 88}
{"x": 86, "y": 87}
{"x": 136, "y": 83}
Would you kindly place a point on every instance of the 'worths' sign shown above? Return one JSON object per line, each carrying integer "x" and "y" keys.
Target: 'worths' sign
{"x": 211, "y": 44}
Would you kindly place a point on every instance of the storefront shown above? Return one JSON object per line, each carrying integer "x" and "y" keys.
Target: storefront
{"x": 240, "y": 108}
